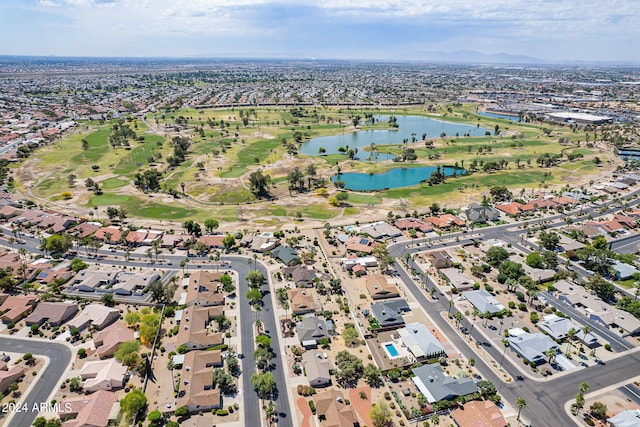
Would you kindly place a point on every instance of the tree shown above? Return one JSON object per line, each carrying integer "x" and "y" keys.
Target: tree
{"x": 372, "y": 375}
{"x": 263, "y": 341}
{"x": 496, "y": 254}
{"x": 254, "y": 278}
{"x": 583, "y": 387}
{"x": 210, "y": 225}
{"x": 500, "y": 194}
{"x": 604, "y": 289}
{"x": 350, "y": 335}
{"x": 58, "y": 245}
{"x": 107, "y": 300}
{"x": 127, "y": 353}
{"x": 549, "y": 240}
{"x": 223, "y": 380}
{"x": 75, "y": 384}
{"x": 381, "y": 415}
{"x": 571, "y": 333}
{"x": 233, "y": 365}
{"x": 550, "y": 259}
{"x": 349, "y": 368}
{"x": 264, "y": 384}
{"x": 258, "y": 183}
{"x": 77, "y": 265}
{"x": 227, "y": 283}
{"x": 598, "y": 410}
{"x": 551, "y": 354}
{"x": 262, "y": 357}
{"x": 157, "y": 291}
{"x": 155, "y": 417}
{"x": 132, "y": 318}
{"x": 192, "y": 227}
{"x": 228, "y": 241}
{"x": 534, "y": 260}
{"x": 133, "y": 402}
{"x": 520, "y": 403}
{"x": 181, "y": 411}
{"x": 510, "y": 270}
{"x": 254, "y": 296}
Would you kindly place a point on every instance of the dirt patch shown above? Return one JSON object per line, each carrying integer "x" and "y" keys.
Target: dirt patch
{"x": 303, "y": 407}
{"x": 362, "y": 406}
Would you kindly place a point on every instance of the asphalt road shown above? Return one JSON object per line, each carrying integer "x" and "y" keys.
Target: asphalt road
{"x": 267, "y": 317}
{"x": 59, "y": 357}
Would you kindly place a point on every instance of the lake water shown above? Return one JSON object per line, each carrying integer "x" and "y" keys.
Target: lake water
{"x": 408, "y": 125}
{"x": 500, "y": 116}
{"x": 393, "y": 178}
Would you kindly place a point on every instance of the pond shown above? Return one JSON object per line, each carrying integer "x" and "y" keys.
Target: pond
{"x": 408, "y": 127}
{"x": 501, "y": 116}
{"x": 393, "y": 178}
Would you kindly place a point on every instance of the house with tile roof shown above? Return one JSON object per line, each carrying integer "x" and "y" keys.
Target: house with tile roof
{"x": 108, "y": 340}
{"x": 333, "y": 411}
{"x": 10, "y": 376}
{"x": 197, "y": 390}
{"x": 98, "y": 316}
{"x": 97, "y": 409}
{"x": 317, "y": 368}
{"x": 53, "y": 313}
{"x": 204, "y": 289}
{"x": 15, "y": 307}
{"x": 479, "y": 413}
{"x": 304, "y": 300}
{"x": 197, "y": 327}
{"x": 103, "y": 375}
{"x": 379, "y": 288}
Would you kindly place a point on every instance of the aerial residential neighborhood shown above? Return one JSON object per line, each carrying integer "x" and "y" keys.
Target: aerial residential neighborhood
{"x": 318, "y": 243}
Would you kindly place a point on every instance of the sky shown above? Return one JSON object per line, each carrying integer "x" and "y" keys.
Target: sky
{"x": 551, "y": 30}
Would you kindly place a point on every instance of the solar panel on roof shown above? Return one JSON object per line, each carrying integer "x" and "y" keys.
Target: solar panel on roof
{"x": 364, "y": 241}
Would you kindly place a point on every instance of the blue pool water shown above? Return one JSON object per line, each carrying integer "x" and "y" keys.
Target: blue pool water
{"x": 393, "y": 178}
{"x": 391, "y": 350}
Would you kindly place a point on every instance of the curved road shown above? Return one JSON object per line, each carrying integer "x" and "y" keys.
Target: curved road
{"x": 242, "y": 266}
{"x": 59, "y": 358}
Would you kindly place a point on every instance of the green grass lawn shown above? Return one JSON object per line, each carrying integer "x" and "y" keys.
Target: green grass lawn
{"x": 249, "y": 147}
{"x": 135, "y": 207}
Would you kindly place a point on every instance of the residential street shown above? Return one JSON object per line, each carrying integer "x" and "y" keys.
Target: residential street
{"x": 59, "y": 358}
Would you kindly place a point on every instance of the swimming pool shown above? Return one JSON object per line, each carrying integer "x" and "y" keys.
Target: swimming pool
{"x": 391, "y": 349}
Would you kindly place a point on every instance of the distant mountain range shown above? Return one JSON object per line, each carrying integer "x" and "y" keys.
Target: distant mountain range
{"x": 472, "y": 56}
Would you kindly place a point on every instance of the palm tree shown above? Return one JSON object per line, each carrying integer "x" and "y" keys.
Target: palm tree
{"x": 586, "y": 330}
{"x": 551, "y": 355}
{"x": 520, "y": 403}
{"x": 458, "y": 317}
{"x": 570, "y": 334}
{"x": 583, "y": 387}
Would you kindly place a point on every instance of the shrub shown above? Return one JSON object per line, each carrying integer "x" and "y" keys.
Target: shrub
{"x": 182, "y": 411}
{"x": 82, "y": 353}
{"x": 607, "y": 347}
{"x": 312, "y": 405}
{"x": 222, "y": 412}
